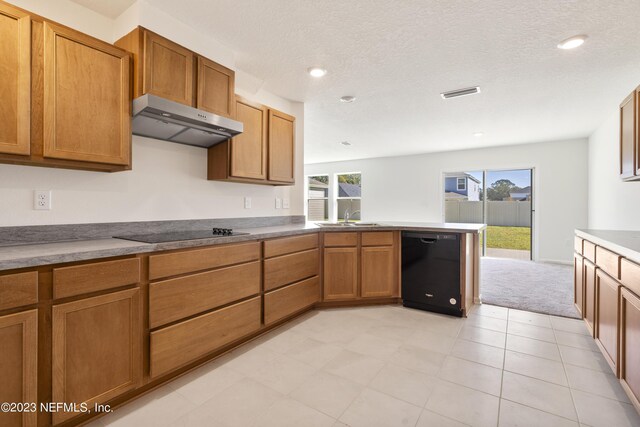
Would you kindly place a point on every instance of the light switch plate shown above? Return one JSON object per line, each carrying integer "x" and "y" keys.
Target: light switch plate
{"x": 278, "y": 203}
{"x": 247, "y": 202}
{"x": 285, "y": 203}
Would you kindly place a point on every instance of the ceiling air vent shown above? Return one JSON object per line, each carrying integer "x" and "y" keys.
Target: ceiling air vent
{"x": 460, "y": 92}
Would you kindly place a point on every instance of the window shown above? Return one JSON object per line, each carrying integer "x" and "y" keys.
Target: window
{"x": 318, "y": 198}
{"x": 349, "y": 195}
{"x": 462, "y": 184}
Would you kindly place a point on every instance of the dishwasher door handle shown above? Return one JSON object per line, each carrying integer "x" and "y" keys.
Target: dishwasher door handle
{"x": 428, "y": 241}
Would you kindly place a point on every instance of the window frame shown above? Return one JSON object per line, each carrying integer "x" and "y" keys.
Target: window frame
{"x": 337, "y": 192}
{"x": 326, "y": 199}
{"x": 464, "y": 184}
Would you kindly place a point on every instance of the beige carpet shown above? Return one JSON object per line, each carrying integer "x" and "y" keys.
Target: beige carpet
{"x": 527, "y": 285}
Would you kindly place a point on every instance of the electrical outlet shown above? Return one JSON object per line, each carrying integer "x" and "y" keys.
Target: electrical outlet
{"x": 42, "y": 200}
{"x": 285, "y": 203}
{"x": 278, "y": 203}
{"x": 247, "y": 202}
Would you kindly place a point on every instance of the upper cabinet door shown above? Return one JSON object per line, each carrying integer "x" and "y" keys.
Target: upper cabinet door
{"x": 87, "y": 102}
{"x": 628, "y": 136}
{"x": 249, "y": 149}
{"x": 168, "y": 69}
{"x": 281, "y": 147}
{"x": 15, "y": 80}
{"x": 216, "y": 87}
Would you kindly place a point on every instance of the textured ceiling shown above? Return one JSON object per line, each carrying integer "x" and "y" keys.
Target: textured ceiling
{"x": 397, "y": 56}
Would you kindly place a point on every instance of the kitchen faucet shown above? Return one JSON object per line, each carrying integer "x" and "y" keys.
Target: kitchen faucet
{"x": 347, "y": 215}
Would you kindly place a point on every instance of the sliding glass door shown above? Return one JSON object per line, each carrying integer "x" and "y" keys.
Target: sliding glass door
{"x": 502, "y": 199}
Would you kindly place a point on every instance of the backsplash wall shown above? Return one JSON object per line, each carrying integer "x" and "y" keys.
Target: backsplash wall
{"x": 168, "y": 181}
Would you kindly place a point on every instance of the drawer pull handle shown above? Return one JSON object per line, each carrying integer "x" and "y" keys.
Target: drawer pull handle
{"x": 429, "y": 295}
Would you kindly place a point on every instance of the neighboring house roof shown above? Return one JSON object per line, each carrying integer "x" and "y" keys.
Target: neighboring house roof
{"x": 316, "y": 183}
{"x": 462, "y": 175}
{"x": 517, "y": 190}
{"x": 449, "y": 195}
{"x": 348, "y": 190}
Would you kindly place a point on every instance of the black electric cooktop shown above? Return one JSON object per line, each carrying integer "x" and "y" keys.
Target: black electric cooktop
{"x": 175, "y": 236}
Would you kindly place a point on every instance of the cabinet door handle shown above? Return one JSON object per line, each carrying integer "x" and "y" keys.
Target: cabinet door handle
{"x": 429, "y": 295}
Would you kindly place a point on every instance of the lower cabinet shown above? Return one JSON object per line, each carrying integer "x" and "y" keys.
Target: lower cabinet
{"x": 340, "y": 273}
{"x": 589, "y": 307}
{"x": 607, "y": 317}
{"x": 178, "y": 345}
{"x": 629, "y": 345}
{"x": 18, "y": 365}
{"x": 378, "y": 272}
{"x": 578, "y": 282}
{"x": 361, "y": 265}
{"x": 290, "y": 299}
{"x": 96, "y": 349}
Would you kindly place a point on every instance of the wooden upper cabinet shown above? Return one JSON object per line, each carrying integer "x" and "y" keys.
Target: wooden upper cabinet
{"x": 281, "y": 147}
{"x": 18, "y": 365}
{"x": 263, "y": 153}
{"x": 629, "y": 136}
{"x": 15, "y": 81}
{"x": 248, "y": 157}
{"x": 87, "y": 103}
{"x": 216, "y": 85}
{"x": 167, "y": 69}
{"x": 97, "y": 349}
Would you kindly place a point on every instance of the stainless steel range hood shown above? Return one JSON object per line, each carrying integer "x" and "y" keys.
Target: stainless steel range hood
{"x": 159, "y": 118}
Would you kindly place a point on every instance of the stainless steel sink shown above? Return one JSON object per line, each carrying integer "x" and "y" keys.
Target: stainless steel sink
{"x": 346, "y": 224}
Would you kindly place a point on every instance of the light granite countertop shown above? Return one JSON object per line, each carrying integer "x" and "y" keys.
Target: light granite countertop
{"x": 623, "y": 242}
{"x": 33, "y": 255}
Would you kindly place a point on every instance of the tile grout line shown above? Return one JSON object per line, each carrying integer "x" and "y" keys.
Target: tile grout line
{"x": 564, "y": 369}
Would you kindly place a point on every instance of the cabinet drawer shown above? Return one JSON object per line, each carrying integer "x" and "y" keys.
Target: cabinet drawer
{"x": 175, "y": 299}
{"x": 290, "y": 268}
{"x": 177, "y": 345}
{"x": 99, "y": 276}
{"x": 608, "y": 261}
{"x": 377, "y": 238}
{"x": 289, "y": 245}
{"x": 589, "y": 251}
{"x": 341, "y": 239}
{"x": 630, "y": 275}
{"x": 18, "y": 289}
{"x": 577, "y": 244}
{"x": 290, "y": 299}
{"x": 189, "y": 261}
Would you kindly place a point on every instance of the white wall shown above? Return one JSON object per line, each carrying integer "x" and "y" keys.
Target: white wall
{"x": 410, "y": 188}
{"x": 168, "y": 181}
{"x": 613, "y": 204}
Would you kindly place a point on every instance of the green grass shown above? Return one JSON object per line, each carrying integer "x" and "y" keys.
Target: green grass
{"x": 509, "y": 237}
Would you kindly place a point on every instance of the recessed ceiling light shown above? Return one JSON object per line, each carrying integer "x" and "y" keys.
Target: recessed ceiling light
{"x": 347, "y": 99}
{"x": 478, "y": 134}
{"x": 460, "y": 92}
{"x": 345, "y": 143}
{"x": 572, "y": 42}
{"x": 317, "y": 71}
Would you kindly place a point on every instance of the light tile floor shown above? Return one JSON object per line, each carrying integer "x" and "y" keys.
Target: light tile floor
{"x": 392, "y": 366}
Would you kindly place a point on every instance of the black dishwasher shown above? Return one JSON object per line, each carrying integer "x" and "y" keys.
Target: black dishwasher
{"x": 431, "y": 272}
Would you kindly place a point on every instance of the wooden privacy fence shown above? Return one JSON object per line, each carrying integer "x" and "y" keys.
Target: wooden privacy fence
{"x": 506, "y": 214}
